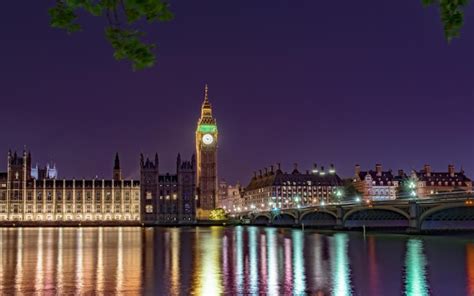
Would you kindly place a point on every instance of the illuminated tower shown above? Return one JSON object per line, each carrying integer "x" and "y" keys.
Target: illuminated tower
{"x": 206, "y": 151}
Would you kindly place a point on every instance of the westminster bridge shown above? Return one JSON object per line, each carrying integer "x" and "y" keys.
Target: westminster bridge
{"x": 412, "y": 215}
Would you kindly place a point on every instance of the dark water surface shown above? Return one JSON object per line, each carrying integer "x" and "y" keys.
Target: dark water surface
{"x": 232, "y": 260}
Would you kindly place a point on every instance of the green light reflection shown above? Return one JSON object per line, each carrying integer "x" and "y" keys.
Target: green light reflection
{"x": 340, "y": 269}
{"x": 299, "y": 278}
{"x": 415, "y": 269}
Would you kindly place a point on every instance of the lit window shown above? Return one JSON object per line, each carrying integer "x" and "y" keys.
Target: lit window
{"x": 148, "y": 195}
{"x": 149, "y": 209}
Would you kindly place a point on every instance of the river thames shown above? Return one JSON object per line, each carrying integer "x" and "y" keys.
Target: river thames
{"x": 231, "y": 260}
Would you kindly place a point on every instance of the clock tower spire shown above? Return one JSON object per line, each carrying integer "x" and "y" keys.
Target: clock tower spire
{"x": 206, "y": 152}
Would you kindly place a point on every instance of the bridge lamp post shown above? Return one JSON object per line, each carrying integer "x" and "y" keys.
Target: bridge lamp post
{"x": 357, "y": 199}
{"x": 339, "y": 194}
{"x": 412, "y": 187}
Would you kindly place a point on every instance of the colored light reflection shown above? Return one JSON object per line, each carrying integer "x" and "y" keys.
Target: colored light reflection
{"x": 39, "y": 263}
{"x": 340, "y": 269}
{"x": 272, "y": 260}
{"x": 253, "y": 254}
{"x": 19, "y": 258}
{"x": 373, "y": 270}
{"x": 238, "y": 260}
{"x": 415, "y": 269}
{"x": 288, "y": 267}
{"x": 100, "y": 261}
{"x": 470, "y": 268}
{"x": 175, "y": 276}
{"x": 319, "y": 267}
{"x": 299, "y": 285}
{"x": 208, "y": 275}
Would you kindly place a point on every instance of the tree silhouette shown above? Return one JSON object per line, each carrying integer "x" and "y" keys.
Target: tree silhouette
{"x": 452, "y": 16}
{"x": 122, "y": 17}
{"x": 126, "y": 40}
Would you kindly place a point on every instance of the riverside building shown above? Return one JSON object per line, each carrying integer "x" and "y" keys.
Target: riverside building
{"x": 275, "y": 189}
{"x": 31, "y": 195}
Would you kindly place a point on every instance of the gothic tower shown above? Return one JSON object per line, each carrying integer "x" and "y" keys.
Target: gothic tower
{"x": 206, "y": 151}
{"x": 117, "y": 172}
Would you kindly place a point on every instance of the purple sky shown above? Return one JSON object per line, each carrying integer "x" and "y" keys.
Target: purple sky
{"x": 290, "y": 81}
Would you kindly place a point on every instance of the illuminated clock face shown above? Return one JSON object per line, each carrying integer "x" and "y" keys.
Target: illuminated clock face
{"x": 207, "y": 139}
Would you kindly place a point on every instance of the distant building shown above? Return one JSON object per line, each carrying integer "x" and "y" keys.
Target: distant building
{"x": 277, "y": 189}
{"x": 439, "y": 184}
{"x": 38, "y": 195}
{"x": 229, "y": 197}
{"x": 32, "y": 194}
{"x": 376, "y": 185}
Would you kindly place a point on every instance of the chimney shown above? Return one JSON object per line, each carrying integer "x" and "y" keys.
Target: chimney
{"x": 378, "y": 169}
{"x": 332, "y": 169}
{"x": 401, "y": 173}
{"x": 255, "y": 174}
{"x": 322, "y": 171}
{"x": 451, "y": 170}
{"x": 271, "y": 168}
{"x": 266, "y": 171}
{"x": 260, "y": 171}
{"x": 357, "y": 169}
{"x": 427, "y": 170}
{"x": 315, "y": 168}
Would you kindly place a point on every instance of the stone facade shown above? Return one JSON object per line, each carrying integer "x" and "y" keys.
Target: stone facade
{"x": 376, "y": 185}
{"x": 270, "y": 189}
{"x": 165, "y": 198}
{"x": 229, "y": 196}
{"x": 440, "y": 184}
{"x": 26, "y": 195}
{"x": 29, "y": 196}
{"x": 206, "y": 151}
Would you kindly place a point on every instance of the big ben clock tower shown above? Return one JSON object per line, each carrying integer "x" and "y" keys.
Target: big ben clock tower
{"x": 206, "y": 151}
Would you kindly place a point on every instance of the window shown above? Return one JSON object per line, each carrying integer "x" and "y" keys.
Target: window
{"x": 148, "y": 195}
{"x": 149, "y": 209}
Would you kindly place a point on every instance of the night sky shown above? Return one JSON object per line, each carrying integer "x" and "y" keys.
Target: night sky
{"x": 340, "y": 82}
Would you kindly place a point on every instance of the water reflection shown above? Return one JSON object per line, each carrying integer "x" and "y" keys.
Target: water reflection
{"x": 415, "y": 269}
{"x": 298, "y": 262}
{"x": 272, "y": 286}
{"x": 470, "y": 268}
{"x": 253, "y": 258}
{"x": 207, "y": 275}
{"x": 217, "y": 260}
{"x": 340, "y": 269}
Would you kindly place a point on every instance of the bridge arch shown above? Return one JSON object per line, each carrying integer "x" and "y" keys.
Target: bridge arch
{"x": 261, "y": 219}
{"x": 318, "y": 218}
{"x": 285, "y": 218}
{"x": 457, "y": 216}
{"x": 379, "y": 216}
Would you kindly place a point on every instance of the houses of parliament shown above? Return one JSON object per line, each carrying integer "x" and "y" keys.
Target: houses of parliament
{"x": 37, "y": 196}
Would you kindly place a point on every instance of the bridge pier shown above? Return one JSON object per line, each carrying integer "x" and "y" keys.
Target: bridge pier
{"x": 339, "y": 217}
{"x": 413, "y": 223}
